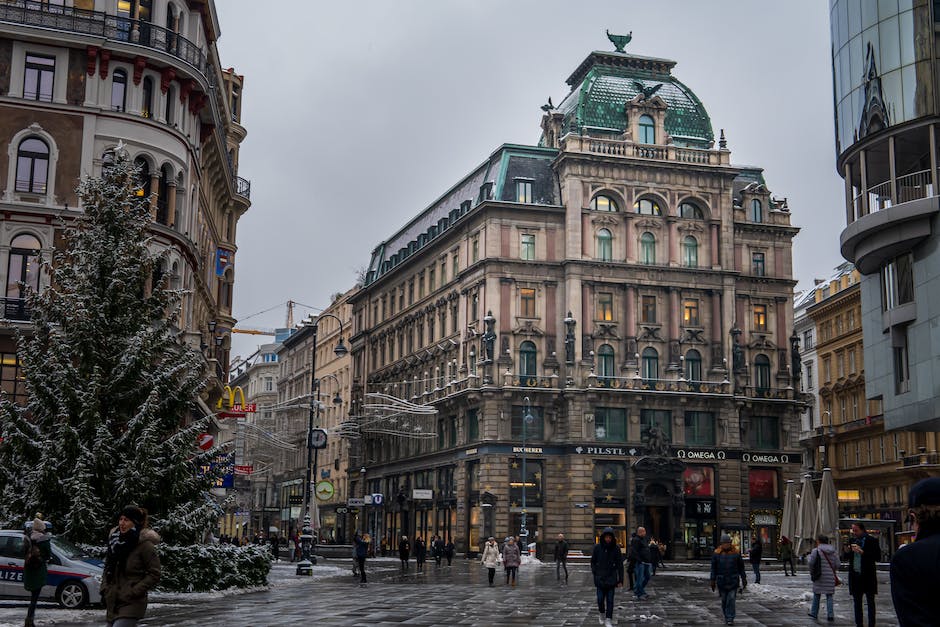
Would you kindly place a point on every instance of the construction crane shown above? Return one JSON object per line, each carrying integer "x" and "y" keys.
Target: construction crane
{"x": 290, "y": 323}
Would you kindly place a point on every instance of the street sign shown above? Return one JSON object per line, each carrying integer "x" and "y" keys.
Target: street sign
{"x": 422, "y": 495}
{"x": 318, "y": 438}
{"x": 367, "y": 499}
{"x": 377, "y": 499}
{"x": 295, "y": 499}
{"x": 355, "y": 502}
{"x": 206, "y": 440}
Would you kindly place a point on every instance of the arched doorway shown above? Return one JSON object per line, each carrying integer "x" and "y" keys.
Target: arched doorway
{"x": 658, "y": 515}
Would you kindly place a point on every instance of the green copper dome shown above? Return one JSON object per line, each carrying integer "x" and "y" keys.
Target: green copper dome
{"x": 606, "y": 81}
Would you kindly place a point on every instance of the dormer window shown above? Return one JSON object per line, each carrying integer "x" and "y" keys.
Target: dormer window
{"x": 757, "y": 211}
{"x": 523, "y": 191}
{"x": 603, "y": 203}
{"x": 647, "y": 130}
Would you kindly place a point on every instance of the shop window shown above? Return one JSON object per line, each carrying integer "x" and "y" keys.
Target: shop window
{"x": 610, "y": 424}
{"x": 762, "y": 483}
{"x": 699, "y": 428}
{"x": 532, "y": 481}
{"x": 610, "y": 480}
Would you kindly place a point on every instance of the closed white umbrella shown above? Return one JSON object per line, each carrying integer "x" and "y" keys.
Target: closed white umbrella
{"x": 827, "y": 516}
{"x": 806, "y": 517}
{"x": 788, "y": 522}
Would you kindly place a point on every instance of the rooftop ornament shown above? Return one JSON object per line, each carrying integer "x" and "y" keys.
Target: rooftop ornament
{"x": 620, "y": 41}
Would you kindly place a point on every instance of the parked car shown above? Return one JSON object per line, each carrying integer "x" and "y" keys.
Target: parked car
{"x": 74, "y": 578}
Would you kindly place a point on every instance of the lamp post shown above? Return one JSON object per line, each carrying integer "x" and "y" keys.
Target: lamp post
{"x": 527, "y": 418}
{"x": 828, "y": 433}
{"x": 313, "y": 447}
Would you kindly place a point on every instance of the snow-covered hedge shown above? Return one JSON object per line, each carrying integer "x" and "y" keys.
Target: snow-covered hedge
{"x": 205, "y": 567}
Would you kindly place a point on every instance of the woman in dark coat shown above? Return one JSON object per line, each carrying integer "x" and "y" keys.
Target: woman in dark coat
{"x": 131, "y": 568}
{"x": 38, "y": 552}
{"x": 512, "y": 558}
{"x": 421, "y": 553}
{"x": 449, "y": 551}
{"x": 404, "y": 552}
{"x": 607, "y": 568}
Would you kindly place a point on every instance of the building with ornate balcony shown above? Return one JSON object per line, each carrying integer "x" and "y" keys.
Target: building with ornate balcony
{"x": 76, "y": 78}
{"x": 602, "y": 323}
{"x": 335, "y": 469}
{"x": 885, "y": 64}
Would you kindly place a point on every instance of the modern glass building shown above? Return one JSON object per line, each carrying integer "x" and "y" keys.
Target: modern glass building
{"x": 884, "y": 57}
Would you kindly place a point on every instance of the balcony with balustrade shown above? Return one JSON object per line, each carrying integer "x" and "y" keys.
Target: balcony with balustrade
{"x": 629, "y": 149}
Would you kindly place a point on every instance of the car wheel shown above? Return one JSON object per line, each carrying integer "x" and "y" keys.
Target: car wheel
{"x": 72, "y": 595}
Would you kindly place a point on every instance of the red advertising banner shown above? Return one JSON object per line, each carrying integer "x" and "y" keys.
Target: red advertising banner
{"x": 244, "y": 470}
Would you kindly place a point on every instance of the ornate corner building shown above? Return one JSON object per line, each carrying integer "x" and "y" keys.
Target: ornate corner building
{"x": 76, "y": 78}
{"x": 601, "y": 322}
{"x": 887, "y": 109}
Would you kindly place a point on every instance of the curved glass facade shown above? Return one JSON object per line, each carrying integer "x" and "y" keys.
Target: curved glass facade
{"x": 881, "y": 65}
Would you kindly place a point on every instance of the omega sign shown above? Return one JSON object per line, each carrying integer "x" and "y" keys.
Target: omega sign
{"x": 692, "y": 454}
{"x": 765, "y": 458}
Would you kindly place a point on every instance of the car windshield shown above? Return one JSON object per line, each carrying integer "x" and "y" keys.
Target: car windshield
{"x": 70, "y": 550}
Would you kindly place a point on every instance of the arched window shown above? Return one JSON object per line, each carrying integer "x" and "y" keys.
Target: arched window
{"x": 757, "y": 211}
{"x": 603, "y": 245}
{"x": 690, "y": 252}
{"x": 170, "y": 104}
{"x": 693, "y": 366}
{"x": 650, "y": 363}
{"x": 119, "y": 90}
{"x": 647, "y": 130}
{"x": 527, "y": 355}
{"x": 605, "y": 361}
{"x": 146, "y": 107}
{"x": 691, "y": 211}
{"x": 143, "y": 176}
{"x": 163, "y": 195}
{"x": 762, "y": 372}
{"x": 603, "y": 203}
{"x": 23, "y": 267}
{"x": 647, "y": 248}
{"x": 647, "y": 207}
{"x": 32, "y": 166}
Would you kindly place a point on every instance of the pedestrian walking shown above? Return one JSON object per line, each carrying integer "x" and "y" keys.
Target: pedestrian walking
{"x": 438, "y": 550}
{"x": 37, "y": 554}
{"x": 755, "y": 555}
{"x": 275, "y": 547}
{"x": 631, "y": 562}
{"x": 511, "y": 560}
{"x": 449, "y": 551}
{"x": 131, "y": 568}
{"x": 607, "y": 568}
{"x": 786, "y": 556}
{"x": 298, "y": 545}
{"x": 863, "y": 555}
{"x": 915, "y": 568}
{"x": 640, "y": 548}
{"x": 727, "y": 569}
{"x": 421, "y": 553}
{"x": 490, "y": 559}
{"x": 362, "y": 551}
{"x": 655, "y": 556}
{"x": 823, "y": 563}
{"x": 561, "y": 557}
{"x": 404, "y": 552}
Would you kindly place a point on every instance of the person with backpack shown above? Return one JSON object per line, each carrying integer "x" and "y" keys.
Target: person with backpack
{"x": 727, "y": 568}
{"x": 823, "y": 563}
{"x": 37, "y": 555}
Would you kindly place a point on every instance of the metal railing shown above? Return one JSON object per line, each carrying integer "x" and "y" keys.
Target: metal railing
{"x": 242, "y": 187}
{"x": 914, "y": 186}
{"x": 879, "y": 197}
{"x": 15, "y": 309}
{"x": 908, "y": 187}
{"x": 43, "y": 15}
{"x": 922, "y": 459}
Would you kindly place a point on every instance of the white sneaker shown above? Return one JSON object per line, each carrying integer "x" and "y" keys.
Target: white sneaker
{"x": 600, "y": 619}
{"x": 607, "y": 623}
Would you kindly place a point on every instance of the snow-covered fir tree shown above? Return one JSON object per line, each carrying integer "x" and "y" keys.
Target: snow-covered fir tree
{"x": 109, "y": 386}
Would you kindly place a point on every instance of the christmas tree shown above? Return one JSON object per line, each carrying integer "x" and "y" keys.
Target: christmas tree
{"x": 110, "y": 387}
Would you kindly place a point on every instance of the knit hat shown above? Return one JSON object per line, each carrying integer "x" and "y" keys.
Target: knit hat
{"x": 39, "y": 524}
{"x": 925, "y": 492}
{"x": 134, "y": 514}
{"x": 725, "y": 539}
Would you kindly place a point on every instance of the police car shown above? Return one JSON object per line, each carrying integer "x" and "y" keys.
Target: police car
{"x": 73, "y": 580}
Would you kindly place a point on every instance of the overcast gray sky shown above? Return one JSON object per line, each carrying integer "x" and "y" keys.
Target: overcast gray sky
{"x": 361, "y": 113}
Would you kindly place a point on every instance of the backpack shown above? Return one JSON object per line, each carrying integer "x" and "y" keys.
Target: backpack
{"x": 815, "y": 571}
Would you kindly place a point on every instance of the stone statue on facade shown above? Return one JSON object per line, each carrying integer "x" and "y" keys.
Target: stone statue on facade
{"x": 656, "y": 442}
{"x": 489, "y": 337}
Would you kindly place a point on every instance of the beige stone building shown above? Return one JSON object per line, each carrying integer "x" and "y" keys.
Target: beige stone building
{"x": 602, "y": 323}
{"x": 76, "y": 78}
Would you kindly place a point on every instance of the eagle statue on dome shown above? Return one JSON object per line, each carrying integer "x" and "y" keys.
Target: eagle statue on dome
{"x": 646, "y": 91}
{"x": 620, "y": 41}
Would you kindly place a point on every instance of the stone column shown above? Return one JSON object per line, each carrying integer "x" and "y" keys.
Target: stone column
{"x": 631, "y": 238}
{"x": 629, "y": 306}
{"x": 716, "y": 260}
{"x": 674, "y": 317}
{"x": 171, "y": 204}
{"x": 672, "y": 228}
{"x": 717, "y": 354}
{"x": 154, "y": 193}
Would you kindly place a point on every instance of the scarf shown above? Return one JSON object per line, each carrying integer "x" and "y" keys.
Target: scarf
{"x": 120, "y": 546}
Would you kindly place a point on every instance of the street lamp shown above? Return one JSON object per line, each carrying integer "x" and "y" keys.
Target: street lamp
{"x": 527, "y": 418}
{"x": 828, "y": 433}
{"x": 312, "y": 446}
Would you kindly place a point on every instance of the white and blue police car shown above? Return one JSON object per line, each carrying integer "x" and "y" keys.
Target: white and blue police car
{"x": 73, "y": 580}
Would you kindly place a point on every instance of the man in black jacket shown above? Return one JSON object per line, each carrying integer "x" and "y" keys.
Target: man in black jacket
{"x": 757, "y": 552}
{"x": 561, "y": 557}
{"x": 915, "y": 568}
{"x": 640, "y": 551}
{"x": 607, "y": 568}
{"x": 863, "y": 554}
